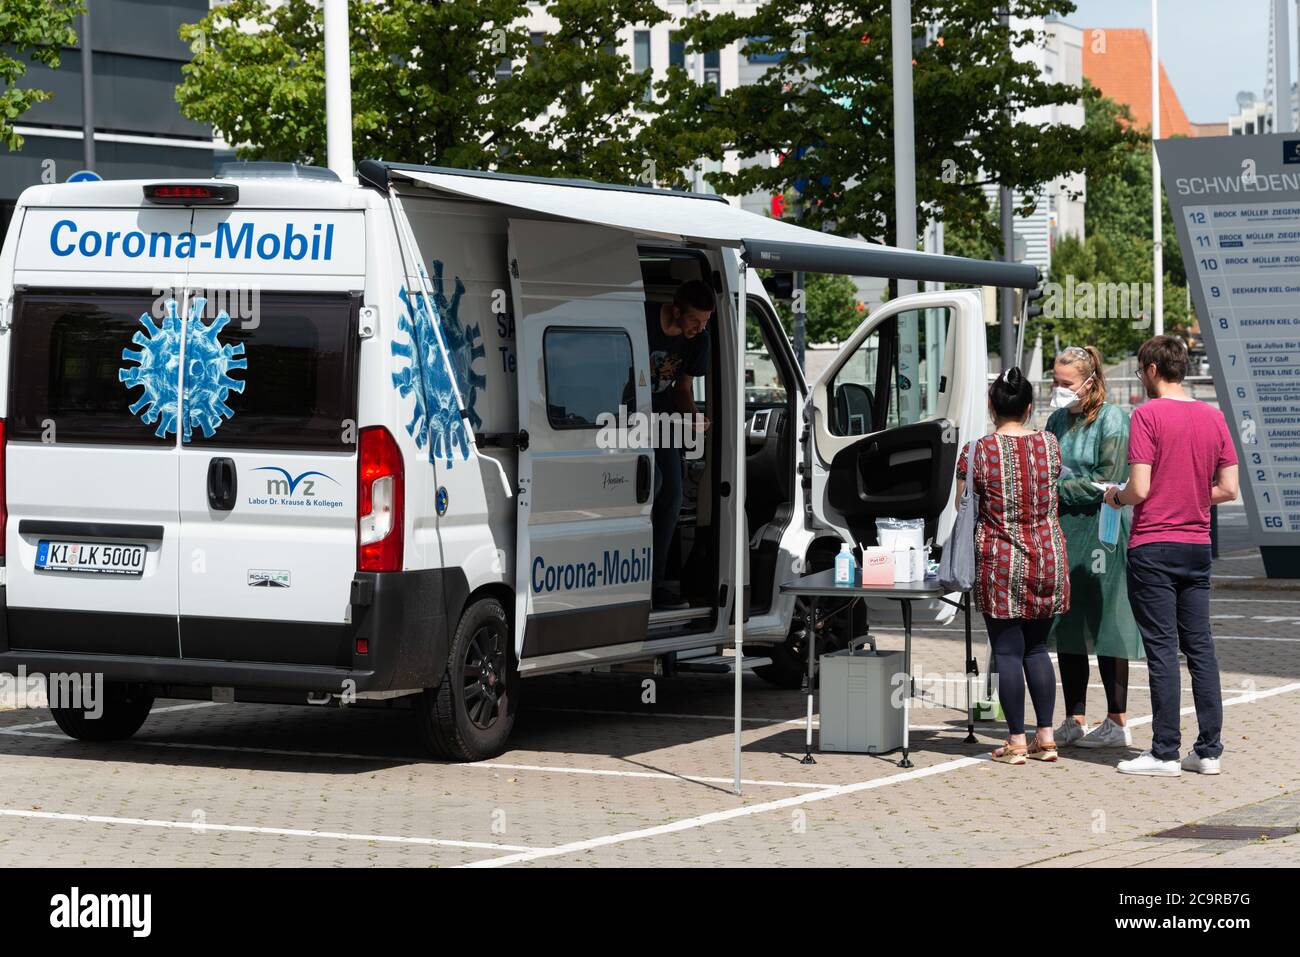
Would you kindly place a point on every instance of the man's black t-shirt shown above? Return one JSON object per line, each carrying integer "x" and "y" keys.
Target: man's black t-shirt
{"x": 671, "y": 357}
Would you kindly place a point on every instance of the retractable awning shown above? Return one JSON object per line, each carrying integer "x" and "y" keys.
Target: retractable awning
{"x": 707, "y": 220}
{"x": 691, "y": 217}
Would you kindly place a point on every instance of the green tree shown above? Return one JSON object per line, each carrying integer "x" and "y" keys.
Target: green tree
{"x": 831, "y": 308}
{"x": 456, "y": 84}
{"x": 1116, "y": 250}
{"x": 826, "y": 109}
{"x": 30, "y": 30}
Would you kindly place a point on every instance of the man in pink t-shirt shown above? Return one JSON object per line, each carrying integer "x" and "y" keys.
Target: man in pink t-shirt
{"x": 1181, "y": 461}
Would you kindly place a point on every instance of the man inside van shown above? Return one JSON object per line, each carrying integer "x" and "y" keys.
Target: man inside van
{"x": 678, "y": 336}
{"x": 1181, "y": 461}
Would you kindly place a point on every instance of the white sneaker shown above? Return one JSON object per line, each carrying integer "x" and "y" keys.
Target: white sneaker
{"x": 1108, "y": 734}
{"x": 1148, "y": 763}
{"x": 1069, "y": 733}
{"x": 1199, "y": 765}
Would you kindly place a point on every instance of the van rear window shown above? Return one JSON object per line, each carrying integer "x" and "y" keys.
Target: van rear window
{"x": 300, "y": 386}
{"x": 65, "y": 358}
{"x": 79, "y": 374}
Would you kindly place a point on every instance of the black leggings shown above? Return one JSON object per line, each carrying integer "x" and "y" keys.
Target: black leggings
{"x": 1020, "y": 656}
{"x": 1074, "y": 682}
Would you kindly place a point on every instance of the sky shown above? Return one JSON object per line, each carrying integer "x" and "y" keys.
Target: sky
{"x": 1211, "y": 49}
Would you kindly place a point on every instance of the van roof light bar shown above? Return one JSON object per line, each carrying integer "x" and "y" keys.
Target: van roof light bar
{"x": 191, "y": 194}
{"x": 266, "y": 169}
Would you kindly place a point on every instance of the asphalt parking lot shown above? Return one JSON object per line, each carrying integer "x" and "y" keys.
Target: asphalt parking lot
{"x": 597, "y": 776}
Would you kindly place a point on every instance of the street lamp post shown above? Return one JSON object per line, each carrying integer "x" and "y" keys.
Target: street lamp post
{"x": 900, "y": 12}
{"x": 1006, "y": 217}
{"x": 1157, "y": 213}
{"x": 338, "y": 90}
{"x": 1282, "y": 67}
{"x": 87, "y": 95}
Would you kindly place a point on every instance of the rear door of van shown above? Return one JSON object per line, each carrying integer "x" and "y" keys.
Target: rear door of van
{"x": 92, "y": 540}
{"x": 267, "y": 467}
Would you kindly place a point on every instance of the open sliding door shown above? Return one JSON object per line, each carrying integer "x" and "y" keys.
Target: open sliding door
{"x": 583, "y": 547}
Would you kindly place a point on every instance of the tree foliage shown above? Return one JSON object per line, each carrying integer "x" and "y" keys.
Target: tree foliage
{"x": 1116, "y": 251}
{"x": 455, "y": 84}
{"x": 30, "y": 31}
{"x": 831, "y": 309}
{"x": 826, "y": 109}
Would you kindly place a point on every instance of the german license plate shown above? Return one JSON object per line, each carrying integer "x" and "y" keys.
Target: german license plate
{"x": 100, "y": 558}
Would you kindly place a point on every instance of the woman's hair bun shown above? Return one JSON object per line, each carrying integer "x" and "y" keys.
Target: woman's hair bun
{"x": 1011, "y": 394}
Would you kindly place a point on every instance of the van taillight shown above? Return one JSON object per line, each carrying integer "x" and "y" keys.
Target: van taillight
{"x": 4, "y": 502}
{"x": 380, "y": 493}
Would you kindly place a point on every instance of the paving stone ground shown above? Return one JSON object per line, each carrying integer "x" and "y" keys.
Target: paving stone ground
{"x": 597, "y": 777}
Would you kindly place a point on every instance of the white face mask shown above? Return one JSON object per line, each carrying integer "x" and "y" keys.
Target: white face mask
{"x": 1063, "y": 398}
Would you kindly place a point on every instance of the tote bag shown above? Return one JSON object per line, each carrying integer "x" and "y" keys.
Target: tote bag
{"x": 957, "y": 566}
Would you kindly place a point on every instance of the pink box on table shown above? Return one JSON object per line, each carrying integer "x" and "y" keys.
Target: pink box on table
{"x": 877, "y": 566}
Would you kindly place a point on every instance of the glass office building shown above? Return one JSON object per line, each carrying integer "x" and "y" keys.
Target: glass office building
{"x": 139, "y": 130}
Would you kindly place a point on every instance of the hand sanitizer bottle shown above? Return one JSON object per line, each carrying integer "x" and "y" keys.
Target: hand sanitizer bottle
{"x": 845, "y": 566}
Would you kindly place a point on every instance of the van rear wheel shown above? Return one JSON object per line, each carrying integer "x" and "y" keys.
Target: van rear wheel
{"x": 468, "y": 717}
{"x": 124, "y": 709}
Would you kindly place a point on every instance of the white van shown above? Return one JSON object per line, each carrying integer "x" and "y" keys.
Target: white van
{"x": 287, "y": 439}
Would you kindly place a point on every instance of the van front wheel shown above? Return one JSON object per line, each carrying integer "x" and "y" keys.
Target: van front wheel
{"x": 120, "y": 714}
{"x": 468, "y": 717}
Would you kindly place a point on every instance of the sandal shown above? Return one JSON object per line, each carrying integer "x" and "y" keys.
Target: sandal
{"x": 1010, "y": 753}
{"x": 1041, "y": 750}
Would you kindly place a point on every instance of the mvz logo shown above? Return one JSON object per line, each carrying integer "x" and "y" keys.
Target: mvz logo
{"x": 288, "y": 486}
{"x": 299, "y": 490}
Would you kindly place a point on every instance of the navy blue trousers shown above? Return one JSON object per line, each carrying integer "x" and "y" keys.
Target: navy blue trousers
{"x": 1169, "y": 589}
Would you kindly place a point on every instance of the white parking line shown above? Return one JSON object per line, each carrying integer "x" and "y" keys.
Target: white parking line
{"x": 727, "y": 815}
{"x": 1251, "y": 638}
{"x": 484, "y": 765}
{"x": 670, "y": 714}
{"x": 826, "y": 794}
{"x": 1247, "y": 698}
{"x": 174, "y": 707}
{"x": 199, "y": 829}
{"x": 1260, "y": 601}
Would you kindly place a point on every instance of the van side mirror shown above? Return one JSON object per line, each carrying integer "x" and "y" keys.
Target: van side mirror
{"x": 853, "y": 412}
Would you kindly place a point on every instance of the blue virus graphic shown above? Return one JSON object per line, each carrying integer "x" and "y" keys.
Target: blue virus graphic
{"x": 435, "y": 418}
{"x": 156, "y": 370}
{"x": 208, "y": 364}
{"x": 464, "y": 344}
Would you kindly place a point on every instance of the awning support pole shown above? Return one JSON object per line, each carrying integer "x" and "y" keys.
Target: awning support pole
{"x": 738, "y": 450}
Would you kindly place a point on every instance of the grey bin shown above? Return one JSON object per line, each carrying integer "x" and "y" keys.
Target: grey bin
{"x": 861, "y": 702}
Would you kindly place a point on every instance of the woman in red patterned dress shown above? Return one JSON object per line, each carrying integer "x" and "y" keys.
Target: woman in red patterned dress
{"x": 1022, "y": 570}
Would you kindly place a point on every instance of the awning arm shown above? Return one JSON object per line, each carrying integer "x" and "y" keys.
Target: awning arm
{"x": 887, "y": 263}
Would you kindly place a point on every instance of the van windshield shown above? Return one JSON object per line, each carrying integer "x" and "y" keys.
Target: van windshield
{"x": 102, "y": 367}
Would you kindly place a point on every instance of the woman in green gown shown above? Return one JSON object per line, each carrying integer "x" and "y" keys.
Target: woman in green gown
{"x": 1093, "y": 435}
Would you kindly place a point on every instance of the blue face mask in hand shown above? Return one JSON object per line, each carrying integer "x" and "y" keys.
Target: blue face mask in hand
{"x": 1108, "y": 525}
